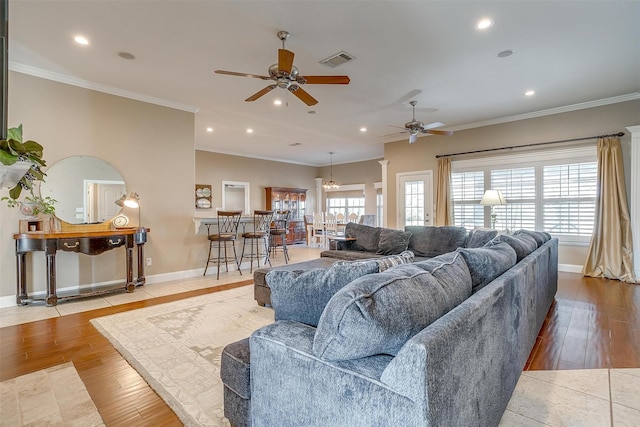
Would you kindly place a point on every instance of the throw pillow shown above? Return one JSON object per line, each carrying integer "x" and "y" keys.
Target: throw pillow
{"x": 393, "y": 242}
{"x": 366, "y": 237}
{"x": 479, "y": 237}
{"x": 433, "y": 241}
{"x": 522, "y": 244}
{"x": 485, "y": 264}
{"x": 379, "y": 313}
{"x": 302, "y": 295}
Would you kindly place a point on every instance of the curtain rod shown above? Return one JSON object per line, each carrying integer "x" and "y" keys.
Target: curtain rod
{"x": 619, "y": 134}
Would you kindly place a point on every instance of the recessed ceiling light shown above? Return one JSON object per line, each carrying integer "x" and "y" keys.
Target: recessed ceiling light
{"x": 484, "y": 23}
{"x": 277, "y": 102}
{"x": 81, "y": 40}
{"x": 363, "y": 129}
{"x": 312, "y": 112}
{"x": 209, "y": 130}
{"x": 295, "y": 144}
{"x": 249, "y": 130}
{"x": 505, "y": 53}
{"x": 530, "y": 93}
{"x": 126, "y": 55}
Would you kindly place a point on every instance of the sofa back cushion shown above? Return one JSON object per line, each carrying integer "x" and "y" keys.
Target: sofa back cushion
{"x": 485, "y": 264}
{"x": 479, "y": 237}
{"x": 367, "y": 237}
{"x": 432, "y": 241}
{"x": 521, "y": 243}
{"x": 393, "y": 241}
{"x": 378, "y": 313}
{"x": 539, "y": 236}
{"x": 302, "y": 295}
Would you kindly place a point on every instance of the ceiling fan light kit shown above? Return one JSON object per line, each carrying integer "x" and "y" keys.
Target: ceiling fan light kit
{"x": 287, "y": 76}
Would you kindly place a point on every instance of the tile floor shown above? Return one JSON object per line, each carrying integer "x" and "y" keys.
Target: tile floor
{"x": 585, "y": 398}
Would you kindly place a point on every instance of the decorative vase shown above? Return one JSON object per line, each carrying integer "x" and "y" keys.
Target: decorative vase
{"x": 27, "y": 209}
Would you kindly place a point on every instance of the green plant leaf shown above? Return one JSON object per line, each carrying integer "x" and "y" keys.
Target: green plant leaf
{"x": 15, "y": 133}
{"x": 7, "y": 158}
{"x": 33, "y": 147}
{"x": 14, "y": 193}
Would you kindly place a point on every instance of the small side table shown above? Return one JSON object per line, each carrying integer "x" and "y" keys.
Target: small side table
{"x": 333, "y": 240}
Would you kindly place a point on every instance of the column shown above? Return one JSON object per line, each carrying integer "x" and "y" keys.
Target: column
{"x": 319, "y": 207}
{"x": 385, "y": 202}
{"x": 634, "y": 197}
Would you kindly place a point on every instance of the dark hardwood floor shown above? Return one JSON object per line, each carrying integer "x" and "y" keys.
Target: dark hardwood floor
{"x": 594, "y": 323}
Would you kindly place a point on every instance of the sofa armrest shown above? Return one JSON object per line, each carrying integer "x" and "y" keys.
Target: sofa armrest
{"x": 290, "y": 386}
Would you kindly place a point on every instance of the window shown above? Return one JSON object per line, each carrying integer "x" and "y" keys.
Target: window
{"x": 554, "y": 191}
{"x": 345, "y": 202}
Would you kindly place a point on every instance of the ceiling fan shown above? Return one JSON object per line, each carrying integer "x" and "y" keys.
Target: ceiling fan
{"x": 286, "y": 76}
{"x": 414, "y": 127}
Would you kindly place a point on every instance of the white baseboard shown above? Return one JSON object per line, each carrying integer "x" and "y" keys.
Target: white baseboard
{"x": 570, "y": 268}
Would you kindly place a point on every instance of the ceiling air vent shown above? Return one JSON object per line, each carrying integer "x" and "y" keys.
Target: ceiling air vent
{"x": 337, "y": 59}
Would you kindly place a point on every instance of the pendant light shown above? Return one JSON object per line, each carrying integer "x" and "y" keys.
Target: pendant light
{"x": 331, "y": 184}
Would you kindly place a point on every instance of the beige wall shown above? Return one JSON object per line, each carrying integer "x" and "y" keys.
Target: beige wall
{"x": 405, "y": 157}
{"x": 151, "y": 146}
{"x": 213, "y": 168}
{"x": 366, "y": 172}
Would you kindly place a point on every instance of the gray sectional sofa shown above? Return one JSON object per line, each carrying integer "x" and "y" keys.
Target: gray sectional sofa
{"x": 437, "y": 342}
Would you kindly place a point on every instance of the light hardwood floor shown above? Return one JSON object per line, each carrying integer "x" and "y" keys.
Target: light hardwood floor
{"x": 594, "y": 323}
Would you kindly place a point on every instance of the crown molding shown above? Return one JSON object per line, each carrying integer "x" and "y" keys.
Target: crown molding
{"x": 551, "y": 111}
{"x": 86, "y": 84}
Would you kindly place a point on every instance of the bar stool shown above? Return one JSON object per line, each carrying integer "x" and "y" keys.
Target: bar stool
{"x": 257, "y": 237}
{"x": 227, "y": 224}
{"x": 279, "y": 229}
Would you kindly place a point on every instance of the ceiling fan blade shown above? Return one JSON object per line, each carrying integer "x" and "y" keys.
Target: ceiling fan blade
{"x": 261, "y": 93}
{"x": 324, "y": 80}
{"x": 393, "y": 134}
{"x": 302, "y": 95}
{"x": 439, "y": 132}
{"x": 431, "y": 126}
{"x": 412, "y": 138}
{"x": 285, "y": 60}
{"x": 233, "y": 73}
{"x": 399, "y": 127}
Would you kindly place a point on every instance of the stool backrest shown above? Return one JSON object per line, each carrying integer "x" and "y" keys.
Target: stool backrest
{"x": 228, "y": 221}
{"x": 281, "y": 219}
{"x": 262, "y": 220}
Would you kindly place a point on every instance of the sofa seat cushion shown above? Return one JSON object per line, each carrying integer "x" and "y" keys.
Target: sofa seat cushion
{"x": 393, "y": 241}
{"x": 522, "y": 244}
{"x": 235, "y": 368}
{"x": 378, "y": 313}
{"x": 433, "y": 241}
{"x": 485, "y": 264}
{"x": 302, "y": 295}
{"x": 348, "y": 255}
{"x": 367, "y": 238}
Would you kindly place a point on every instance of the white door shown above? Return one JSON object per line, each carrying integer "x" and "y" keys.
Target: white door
{"x": 415, "y": 198}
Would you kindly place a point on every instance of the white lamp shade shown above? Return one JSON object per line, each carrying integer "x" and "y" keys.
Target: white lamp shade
{"x": 493, "y": 197}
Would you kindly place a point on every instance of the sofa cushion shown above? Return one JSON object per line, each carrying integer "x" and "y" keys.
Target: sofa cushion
{"x": 235, "y": 368}
{"x": 432, "y": 241}
{"x": 479, "y": 237}
{"x": 386, "y": 262}
{"x": 378, "y": 313}
{"x": 393, "y": 241}
{"x": 485, "y": 264}
{"x": 539, "y": 236}
{"x": 366, "y": 237}
{"x": 522, "y": 244}
{"x": 302, "y": 295}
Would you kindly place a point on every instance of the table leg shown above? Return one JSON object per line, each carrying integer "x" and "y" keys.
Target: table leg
{"x": 50, "y": 254}
{"x": 130, "y": 285}
{"x": 21, "y": 279}
{"x": 140, "y": 280}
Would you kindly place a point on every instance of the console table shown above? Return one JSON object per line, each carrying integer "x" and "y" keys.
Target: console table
{"x": 86, "y": 242}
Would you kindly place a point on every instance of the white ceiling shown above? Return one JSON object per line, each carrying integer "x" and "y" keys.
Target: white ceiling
{"x": 569, "y": 52}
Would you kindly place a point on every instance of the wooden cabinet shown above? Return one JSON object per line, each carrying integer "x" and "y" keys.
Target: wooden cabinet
{"x": 293, "y": 199}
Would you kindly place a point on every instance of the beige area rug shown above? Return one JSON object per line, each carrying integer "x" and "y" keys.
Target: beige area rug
{"x": 176, "y": 347}
{"x": 54, "y": 396}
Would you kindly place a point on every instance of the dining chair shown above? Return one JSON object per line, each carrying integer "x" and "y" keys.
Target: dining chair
{"x": 319, "y": 235}
{"x": 225, "y": 236}
{"x": 258, "y": 238}
{"x": 353, "y": 217}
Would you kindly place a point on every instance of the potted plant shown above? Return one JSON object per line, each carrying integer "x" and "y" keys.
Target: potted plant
{"x": 20, "y": 163}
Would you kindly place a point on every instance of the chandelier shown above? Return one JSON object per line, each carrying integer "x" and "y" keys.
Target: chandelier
{"x": 331, "y": 184}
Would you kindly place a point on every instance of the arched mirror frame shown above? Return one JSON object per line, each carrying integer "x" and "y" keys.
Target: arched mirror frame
{"x": 85, "y": 188}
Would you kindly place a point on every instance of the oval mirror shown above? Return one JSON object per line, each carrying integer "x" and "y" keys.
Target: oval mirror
{"x": 86, "y": 189}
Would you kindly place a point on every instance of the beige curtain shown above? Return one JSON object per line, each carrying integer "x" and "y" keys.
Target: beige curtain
{"x": 611, "y": 250}
{"x": 444, "y": 211}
